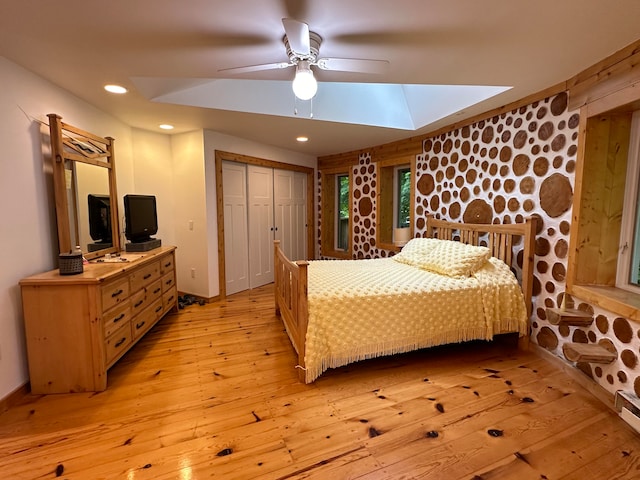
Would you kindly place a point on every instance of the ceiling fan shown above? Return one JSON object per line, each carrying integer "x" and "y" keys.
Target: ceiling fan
{"x": 303, "y": 49}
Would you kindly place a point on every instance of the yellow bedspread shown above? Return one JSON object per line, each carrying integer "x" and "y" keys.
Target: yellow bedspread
{"x": 361, "y": 309}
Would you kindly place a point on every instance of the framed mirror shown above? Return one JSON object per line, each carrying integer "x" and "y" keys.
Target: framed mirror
{"x": 85, "y": 190}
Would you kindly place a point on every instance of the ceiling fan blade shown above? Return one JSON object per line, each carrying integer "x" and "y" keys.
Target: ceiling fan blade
{"x": 353, "y": 65}
{"x": 257, "y": 68}
{"x": 298, "y": 36}
{"x": 296, "y": 8}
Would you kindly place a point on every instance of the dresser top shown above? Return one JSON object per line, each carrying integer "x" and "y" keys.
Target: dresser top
{"x": 98, "y": 270}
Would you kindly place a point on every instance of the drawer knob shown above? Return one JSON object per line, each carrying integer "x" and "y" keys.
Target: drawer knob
{"x": 140, "y": 302}
{"x": 156, "y": 290}
{"x": 121, "y": 341}
{"x": 159, "y": 308}
{"x": 167, "y": 265}
{"x": 116, "y": 293}
{"x": 118, "y": 318}
{"x": 147, "y": 276}
{"x": 140, "y": 325}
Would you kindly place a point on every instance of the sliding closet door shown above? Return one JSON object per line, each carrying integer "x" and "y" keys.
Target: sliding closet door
{"x": 290, "y": 212}
{"x": 235, "y": 227}
{"x": 261, "y": 227}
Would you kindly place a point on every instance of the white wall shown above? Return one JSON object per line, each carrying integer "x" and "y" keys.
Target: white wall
{"x": 28, "y": 237}
{"x": 153, "y": 175}
{"x": 190, "y": 213}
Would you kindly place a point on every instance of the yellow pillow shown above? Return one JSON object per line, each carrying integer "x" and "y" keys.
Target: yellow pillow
{"x": 446, "y": 257}
{"x": 415, "y": 250}
{"x": 455, "y": 258}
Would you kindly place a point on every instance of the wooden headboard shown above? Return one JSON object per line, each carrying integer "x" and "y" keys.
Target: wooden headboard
{"x": 500, "y": 239}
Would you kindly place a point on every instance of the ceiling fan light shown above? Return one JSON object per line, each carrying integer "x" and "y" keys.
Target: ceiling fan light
{"x": 304, "y": 84}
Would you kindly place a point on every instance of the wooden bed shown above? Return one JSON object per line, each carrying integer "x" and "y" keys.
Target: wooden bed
{"x": 291, "y": 291}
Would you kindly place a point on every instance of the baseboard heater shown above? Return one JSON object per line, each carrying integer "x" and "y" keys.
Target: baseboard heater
{"x": 628, "y": 404}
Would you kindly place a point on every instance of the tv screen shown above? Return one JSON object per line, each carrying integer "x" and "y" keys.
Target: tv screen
{"x": 99, "y": 218}
{"x": 141, "y": 218}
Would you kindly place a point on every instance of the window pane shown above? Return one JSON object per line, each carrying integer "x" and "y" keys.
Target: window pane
{"x": 404, "y": 197}
{"x": 342, "y": 242}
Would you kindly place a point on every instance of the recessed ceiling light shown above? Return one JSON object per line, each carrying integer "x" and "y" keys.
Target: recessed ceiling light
{"x": 166, "y": 126}
{"x": 302, "y": 138}
{"x": 115, "y": 89}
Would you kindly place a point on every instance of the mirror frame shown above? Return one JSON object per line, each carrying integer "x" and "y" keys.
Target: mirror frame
{"x": 63, "y": 149}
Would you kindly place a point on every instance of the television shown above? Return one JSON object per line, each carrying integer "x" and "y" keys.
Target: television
{"x": 141, "y": 217}
{"x": 100, "y": 219}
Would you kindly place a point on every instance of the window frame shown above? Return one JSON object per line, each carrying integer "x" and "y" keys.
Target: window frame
{"x": 387, "y": 185}
{"x": 630, "y": 211}
{"x": 328, "y": 212}
{"x": 593, "y": 254}
{"x": 338, "y": 218}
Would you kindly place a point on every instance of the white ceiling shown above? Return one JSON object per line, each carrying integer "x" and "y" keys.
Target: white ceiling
{"x": 170, "y": 50}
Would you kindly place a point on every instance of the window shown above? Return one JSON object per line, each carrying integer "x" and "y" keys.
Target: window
{"x": 342, "y": 218}
{"x": 336, "y": 214}
{"x": 395, "y": 200}
{"x": 402, "y": 196}
{"x": 629, "y": 252}
{"x": 601, "y": 251}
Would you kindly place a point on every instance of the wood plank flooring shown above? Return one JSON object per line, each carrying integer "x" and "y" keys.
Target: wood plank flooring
{"x": 211, "y": 392}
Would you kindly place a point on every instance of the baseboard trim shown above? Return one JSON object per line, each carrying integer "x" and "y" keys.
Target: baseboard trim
{"x": 198, "y": 297}
{"x": 583, "y": 379}
{"x": 14, "y": 397}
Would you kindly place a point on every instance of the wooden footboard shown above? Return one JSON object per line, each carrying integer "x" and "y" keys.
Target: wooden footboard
{"x": 291, "y": 277}
{"x": 290, "y": 280}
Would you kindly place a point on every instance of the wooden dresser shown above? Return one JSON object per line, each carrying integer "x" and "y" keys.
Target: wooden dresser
{"x": 77, "y": 326}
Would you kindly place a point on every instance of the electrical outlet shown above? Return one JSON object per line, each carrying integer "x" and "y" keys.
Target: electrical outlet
{"x": 193, "y": 273}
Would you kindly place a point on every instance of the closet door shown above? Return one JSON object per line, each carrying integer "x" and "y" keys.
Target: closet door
{"x": 235, "y": 227}
{"x": 299, "y": 238}
{"x": 261, "y": 227}
{"x": 290, "y": 212}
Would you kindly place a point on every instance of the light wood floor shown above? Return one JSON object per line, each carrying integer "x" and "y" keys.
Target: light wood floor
{"x": 211, "y": 392}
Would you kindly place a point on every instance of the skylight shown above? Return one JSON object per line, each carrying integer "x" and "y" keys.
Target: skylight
{"x": 405, "y": 107}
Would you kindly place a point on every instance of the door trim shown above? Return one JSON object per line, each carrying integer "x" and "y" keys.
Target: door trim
{"x": 221, "y": 156}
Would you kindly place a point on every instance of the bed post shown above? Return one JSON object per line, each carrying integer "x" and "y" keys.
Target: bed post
{"x": 429, "y": 230}
{"x": 290, "y": 291}
{"x": 528, "y": 254}
{"x": 302, "y": 320}
{"x": 276, "y": 275}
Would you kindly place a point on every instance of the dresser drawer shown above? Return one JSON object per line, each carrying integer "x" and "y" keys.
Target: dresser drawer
{"x": 118, "y": 342}
{"x": 154, "y": 290}
{"x": 142, "y": 277}
{"x": 146, "y": 319}
{"x": 139, "y": 302}
{"x": 168, "y": 281}
{"x": 114, "y": 318}
{"x": 167, "y": 264}
{"x": 169, "y": 299}
{"x": 114, "y": 292}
